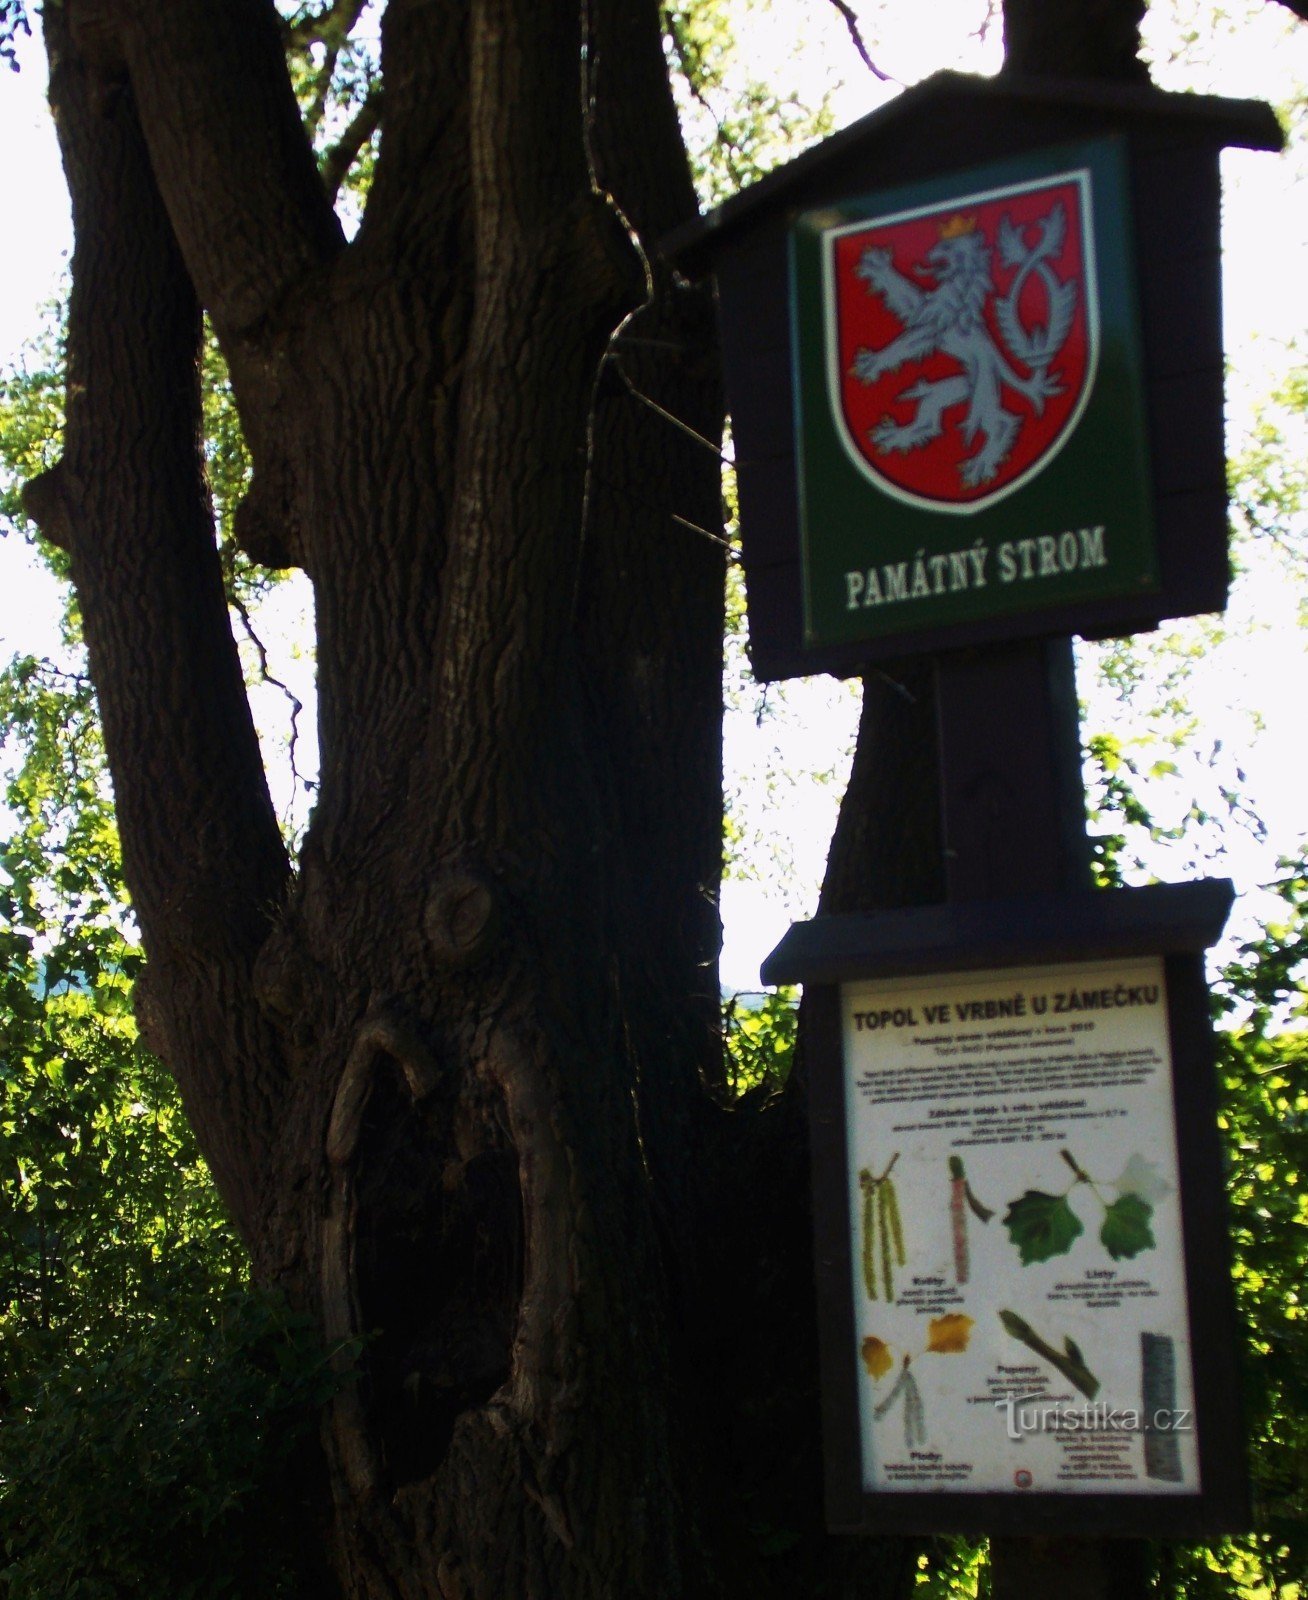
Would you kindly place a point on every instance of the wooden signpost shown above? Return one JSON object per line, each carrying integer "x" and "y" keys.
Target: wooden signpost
{"x": 974, "y": 366}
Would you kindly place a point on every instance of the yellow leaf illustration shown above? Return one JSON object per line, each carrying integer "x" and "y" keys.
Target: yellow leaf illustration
{"x": 877, "y": 1357}
{"x": 948, "y": 1335}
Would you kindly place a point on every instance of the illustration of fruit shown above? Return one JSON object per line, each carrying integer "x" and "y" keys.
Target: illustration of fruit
{"x": 881, "y": 1228}
{"x": 961, "y": 1198}
{"x": 1069, "y": 1360}
{"x": 905, "y": 1388}
{"x": 1044, "y": 1225}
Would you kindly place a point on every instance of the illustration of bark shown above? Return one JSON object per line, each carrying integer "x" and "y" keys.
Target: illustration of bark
{"x": 1162, "y": 1449}
{"x": 1069, "y": 1360}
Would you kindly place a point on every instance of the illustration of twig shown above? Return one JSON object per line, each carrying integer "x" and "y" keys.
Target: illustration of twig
{"x": 881, "y": 1226}
{"x": 905, "y": 1385}
{"x": 961, "y": 1198}
{"x": 1069, "y": 1361}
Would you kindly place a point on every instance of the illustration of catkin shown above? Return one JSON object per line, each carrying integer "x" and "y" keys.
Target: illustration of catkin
{"x": 896, "y": 1227}
{"x": 883, "y": 1206}
{"x": 883, "y": 1232}
{"x": 869, "y": 1233}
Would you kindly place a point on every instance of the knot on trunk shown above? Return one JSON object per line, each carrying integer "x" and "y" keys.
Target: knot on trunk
{"x": 285, "y": 977}
{"x": 462, "y": 917}
{"x": 264, "y": 525}
{"x": 151, "y": 1025}
{"x": 46, "y": 501}
{"x": 606, "y": 271}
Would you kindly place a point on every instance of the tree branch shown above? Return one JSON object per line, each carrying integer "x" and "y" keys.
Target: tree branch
{"x": 201, "y": 850}
{"x": 555, "y": 272}
{"x": 229, "y": 152}
{"x": 856, "y": 34}
{"x": 331, "y": 25}
{"x": 343, "y": 154}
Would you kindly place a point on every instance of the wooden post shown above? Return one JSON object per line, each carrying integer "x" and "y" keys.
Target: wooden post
{"x": 1012, "y": 806}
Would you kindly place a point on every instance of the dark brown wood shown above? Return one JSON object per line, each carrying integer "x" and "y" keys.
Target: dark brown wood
{"x": 1015, "y": 931}
{"x": 1012, "y": 801}
{"x": 958, "y": 103}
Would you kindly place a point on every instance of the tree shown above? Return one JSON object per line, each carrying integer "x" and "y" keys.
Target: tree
{"x": 456, "y": 1069}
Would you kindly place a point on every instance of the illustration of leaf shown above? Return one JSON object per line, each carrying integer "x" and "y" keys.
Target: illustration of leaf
{"x": 1126, "y": 1229}
{"x": 1143, "y": 1178}
{"x": 949, "y": 1334}
{"x": 1073, "y": 1350}
{"x": 1042, "y": 1225}
{"x": 877, "y": 1357}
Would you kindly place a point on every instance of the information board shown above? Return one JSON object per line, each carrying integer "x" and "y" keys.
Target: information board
{"x": 1019, "y": 1288}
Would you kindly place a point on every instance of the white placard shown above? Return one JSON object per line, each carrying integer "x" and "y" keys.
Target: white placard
{"x": 1019, "y": 1279}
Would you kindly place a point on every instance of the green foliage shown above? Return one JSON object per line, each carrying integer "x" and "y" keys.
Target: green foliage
{"x": 149, "y": 1400}
{"x": 161, "y": 1463}
{"x": 31, "y": 428}
{"x": 1269, "y": 480}
{"x": 736, "y": 127}
{"x": 760, "y": 1040}
{"x": 1264, "y": 1073}
{"x": 953, "y": 1569}
{"x": 13, "y": 21}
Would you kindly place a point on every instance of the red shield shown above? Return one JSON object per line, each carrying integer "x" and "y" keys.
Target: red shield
{"x": 962, "y": 340}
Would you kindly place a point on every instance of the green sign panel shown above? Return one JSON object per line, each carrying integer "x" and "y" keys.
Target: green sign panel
{"x": 970, "y": 422}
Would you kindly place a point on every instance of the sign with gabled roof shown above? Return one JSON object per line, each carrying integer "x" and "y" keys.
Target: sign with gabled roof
{"x": 974, "y": 367}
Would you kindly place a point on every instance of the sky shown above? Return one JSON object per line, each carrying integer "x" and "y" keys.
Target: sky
{"x": 787, "y": 750}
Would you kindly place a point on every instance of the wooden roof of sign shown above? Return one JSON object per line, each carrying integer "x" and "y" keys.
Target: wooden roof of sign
{"x": 945, "y": 107}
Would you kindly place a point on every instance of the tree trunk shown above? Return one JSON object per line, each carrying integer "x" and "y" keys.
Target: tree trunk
{"x": 453, "y": 1070}
{"x": 456, "y": 1069}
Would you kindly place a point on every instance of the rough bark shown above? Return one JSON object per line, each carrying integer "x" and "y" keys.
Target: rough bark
{"x": 455, "y": 1068}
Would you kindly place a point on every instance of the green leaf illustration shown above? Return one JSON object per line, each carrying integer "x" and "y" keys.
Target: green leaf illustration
{"x": 1126, "y": 1227}
{"x": 1042, "y": 1225}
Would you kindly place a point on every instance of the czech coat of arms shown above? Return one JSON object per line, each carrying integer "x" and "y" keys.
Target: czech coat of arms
{"x": 962, "y": 340}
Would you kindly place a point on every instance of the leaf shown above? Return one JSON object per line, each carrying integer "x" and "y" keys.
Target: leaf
{"x": 877, "y": 1357}
{"x": 1143, "y": 1178}
{"x": 1042, "y": 1225}
{"x": 1126, "y": 1230}
{"x": 948, "y": 1335}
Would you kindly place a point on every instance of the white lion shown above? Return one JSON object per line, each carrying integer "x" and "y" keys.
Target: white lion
{"x": 950, "y": 318}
